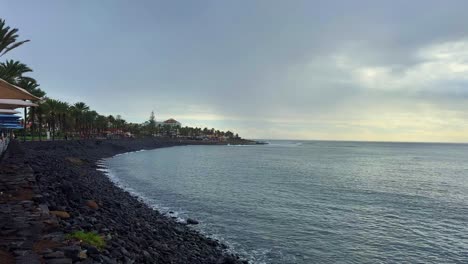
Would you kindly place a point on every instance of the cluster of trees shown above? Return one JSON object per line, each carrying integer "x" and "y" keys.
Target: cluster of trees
{"x": 51, "y": 114}
{"x": 75, "y": 120}
{"x": 151, "y": 127}
{"x": 197, "y": 132}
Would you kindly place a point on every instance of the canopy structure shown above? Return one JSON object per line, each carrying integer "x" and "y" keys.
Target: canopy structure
{"x": 14, "y": 103}
{"x": 11, "y": 126}
{"x": 9, "y": 111}
{"x": 10, "y": 122}
{"x": 10, "y": 91}
{"x": 9, "y": 117}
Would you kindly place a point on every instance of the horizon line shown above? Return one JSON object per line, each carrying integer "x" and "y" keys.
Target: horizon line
{"x": 364, "y": 141}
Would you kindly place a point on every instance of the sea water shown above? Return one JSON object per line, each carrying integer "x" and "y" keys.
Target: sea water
{"x": 313, "y": 201}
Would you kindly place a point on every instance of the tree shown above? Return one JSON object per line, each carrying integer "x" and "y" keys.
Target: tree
{"x": 77, "y": 112}
{"x": 41, "y": 111}
{"x": 31, "y": 86}
{"x": 229, "y": 134}
{"x": 152, "y": 124}
{"x": 89, "y": 122}
{"x": 12, "y": 71}
{"x": 101, "y": 123}
{"x": 54, "y": 110}
{"x": 111, "y": 120}
{"x": 62, "y": 115}
{"x": 8, "y": 38}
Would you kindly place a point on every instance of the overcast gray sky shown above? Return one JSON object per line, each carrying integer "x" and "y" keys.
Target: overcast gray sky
{"x": 352, "y": 70}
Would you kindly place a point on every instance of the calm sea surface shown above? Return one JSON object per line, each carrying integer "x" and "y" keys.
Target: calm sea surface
{"x": 313, "y": 201}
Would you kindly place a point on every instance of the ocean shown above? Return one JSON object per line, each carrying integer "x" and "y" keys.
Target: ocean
{"x": 313, "y": 201}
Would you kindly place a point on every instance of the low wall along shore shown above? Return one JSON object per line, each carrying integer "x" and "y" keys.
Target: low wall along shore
{"x": 55, "y": 207}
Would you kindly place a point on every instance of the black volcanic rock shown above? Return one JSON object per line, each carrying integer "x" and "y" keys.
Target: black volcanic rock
{"x": 191, "y": 221}
{"x": 134, "y": 233}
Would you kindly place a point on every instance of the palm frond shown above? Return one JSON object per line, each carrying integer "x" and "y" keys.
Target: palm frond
{"x": 17, "y": 44}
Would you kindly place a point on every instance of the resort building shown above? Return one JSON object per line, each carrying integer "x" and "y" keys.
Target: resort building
{"x": 170, "y": 122}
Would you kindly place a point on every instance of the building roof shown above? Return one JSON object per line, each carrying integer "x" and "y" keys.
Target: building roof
{"x": 14, "y": 103}
{"x": 10, "y": 91}
{"x": 171, "y": 121}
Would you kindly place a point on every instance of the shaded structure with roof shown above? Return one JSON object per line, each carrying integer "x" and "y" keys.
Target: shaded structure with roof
{"x": 13, "y": 97}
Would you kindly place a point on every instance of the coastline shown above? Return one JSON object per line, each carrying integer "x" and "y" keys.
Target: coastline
{"x": 73, "y": 195}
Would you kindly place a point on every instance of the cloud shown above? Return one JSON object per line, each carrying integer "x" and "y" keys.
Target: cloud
{"x": 367, "y": 70}
{"x": 442, "y": 67}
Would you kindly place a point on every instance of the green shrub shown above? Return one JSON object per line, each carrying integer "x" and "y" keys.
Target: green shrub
{"x": 90, "y": 238}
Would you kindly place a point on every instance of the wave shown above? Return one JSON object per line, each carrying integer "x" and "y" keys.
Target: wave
{"x": 126, "y": 153}
{"x": 177, "y": 216}
{"x": 229, "y": 145}
{"x": 270, "y": 144}
{"x": 285, "y": 144}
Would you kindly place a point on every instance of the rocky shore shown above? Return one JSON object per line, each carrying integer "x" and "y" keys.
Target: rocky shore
{"x": 49, "y": 190}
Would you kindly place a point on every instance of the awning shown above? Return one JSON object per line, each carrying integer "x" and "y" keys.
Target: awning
{"x": 9, "y": 117}
{"x": 11, "y": 126}
{"x": 9, "y": 111}
{"x": 10, "y": 91}
{"x": 14, "y": 103}
{"x": 6, "y": 122}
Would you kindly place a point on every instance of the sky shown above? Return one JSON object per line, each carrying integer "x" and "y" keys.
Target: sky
{"x": 272, "y": 69}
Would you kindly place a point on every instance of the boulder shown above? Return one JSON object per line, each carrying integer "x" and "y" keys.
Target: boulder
{"x": 61, "y": 214}
{"x": 72, "y": 252}
{"x": 82, "y": 254}
{"x": 55, "y": 254}
{"x": 74, "y": 160}
{"x": 92, "y": 204}
{"x": 59, "y": 261}
{"x": 191, "y": 221}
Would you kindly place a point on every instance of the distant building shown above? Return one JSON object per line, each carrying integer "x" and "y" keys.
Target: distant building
{"x": 170, "y": 122}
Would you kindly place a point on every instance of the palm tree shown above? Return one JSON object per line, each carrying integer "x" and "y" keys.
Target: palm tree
{"x": 12, "y": 71}
{"x": 77, "y": 111}
{"x": 101, "y": 123}
{"x": 111, "y": 120}
{"x": 42, "y": 112}
{"x": 30, "y": 85}
{"x": 62, "y": 114}
{"x": 89, "y": 121}
{"x": 8, "y": 38}
{"x": 81, "y": 106}
{"x": 55, "y": 108}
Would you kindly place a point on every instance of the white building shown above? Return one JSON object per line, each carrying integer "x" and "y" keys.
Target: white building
{"x": 170, "y": 122}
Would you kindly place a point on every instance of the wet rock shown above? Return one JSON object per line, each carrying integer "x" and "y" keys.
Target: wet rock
{"x": 72, "y": 252}
{"x": 147, "y": 255}
{"x": 128, "y": 261}
{"x": 108, "y": 260}
{"x": 91, "y": 250}
{"x": 59, "y": 261}
{"x": 227, "y": 260}
{"x": 56, "y": 254}
{"x": 191, "y": 221}
{"x": 125, "y": 252}
{"x": 29, "y": 258}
